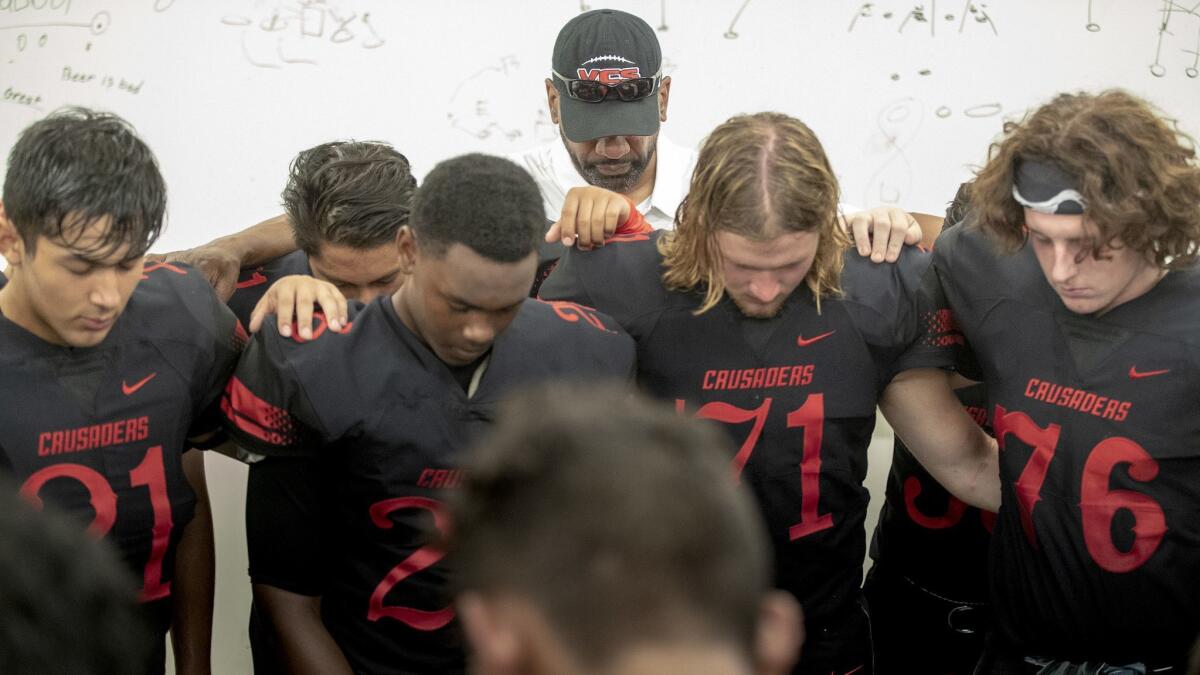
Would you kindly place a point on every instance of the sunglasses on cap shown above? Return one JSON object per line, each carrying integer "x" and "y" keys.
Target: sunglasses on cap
{"x": 592, "y": 91}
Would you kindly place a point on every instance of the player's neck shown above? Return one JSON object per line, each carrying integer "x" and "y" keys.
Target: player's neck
{"x": 400, "y": 304}
{"x": 645, "y": 185}
{"x": 1142, "y": 284}
{"x": 15, "y": 307}
{"x": 692, "y": 659}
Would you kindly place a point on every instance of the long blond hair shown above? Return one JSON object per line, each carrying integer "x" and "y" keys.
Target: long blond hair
{"x": 757, "y": 176}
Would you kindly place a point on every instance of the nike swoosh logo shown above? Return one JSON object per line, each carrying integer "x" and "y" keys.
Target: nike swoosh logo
{"x": 804, "y": 343}
{"x": 130, "y": 388}
{"x": 1135, "y": 375}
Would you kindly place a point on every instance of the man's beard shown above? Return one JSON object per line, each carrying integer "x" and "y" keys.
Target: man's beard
{"x": 758, "y": 312}
{"x": 622, "y": 183}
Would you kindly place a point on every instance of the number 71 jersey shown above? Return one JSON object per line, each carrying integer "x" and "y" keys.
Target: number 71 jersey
{"x": 1096, "y": 549}
{"x": 797, "y": 393}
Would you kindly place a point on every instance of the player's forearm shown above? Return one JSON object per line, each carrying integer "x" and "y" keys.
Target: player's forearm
{"x": 195, "y": 572}
{"x": 967, "y": 465}
{"x": 305, "y": 646}
{"x": 922, "y": 408}
{"x": 259, "y": 243}
{"x": 974, "y": 475}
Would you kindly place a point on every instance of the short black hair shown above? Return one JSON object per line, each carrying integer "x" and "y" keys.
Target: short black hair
{"x": 69, "y": 604}
{"x": 350, "y": 193}
{"x": 624, "y": 528}
{"x": 77, "y": 166}
{"x": 487, "y": 203}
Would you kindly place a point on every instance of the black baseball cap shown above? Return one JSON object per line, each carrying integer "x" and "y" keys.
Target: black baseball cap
{"x": 606, "y": 44}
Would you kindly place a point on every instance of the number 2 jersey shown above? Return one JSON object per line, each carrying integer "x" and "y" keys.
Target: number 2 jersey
{"x": 797, "y": 393}
{"x": 1096, "y": 549}
{"x": 385, "y": 424}
{"x": 100, "y": 431}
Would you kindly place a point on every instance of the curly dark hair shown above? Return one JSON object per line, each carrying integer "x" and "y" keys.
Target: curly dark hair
{"x": 1136, "y": 169}
{"x": 487, "y": 203}
{"x": 350, "y": 193}
{"x": 77, "y": 166}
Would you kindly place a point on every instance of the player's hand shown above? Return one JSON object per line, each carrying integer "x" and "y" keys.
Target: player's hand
{"x": 295, "y": 296}
{"x": 882, "y": 231}
{"x": 219, "y": 265}
{"x": 589, "y": 216}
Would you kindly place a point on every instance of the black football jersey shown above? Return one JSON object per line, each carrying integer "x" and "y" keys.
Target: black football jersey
{"x": 385, "y": 425}
{"x": 100, "y": 431}
{"x": 797, "y": 393}
{"x": 1097, "y": 543}
{"x": 927, "y": 534}
{"x": 253, "y": 282}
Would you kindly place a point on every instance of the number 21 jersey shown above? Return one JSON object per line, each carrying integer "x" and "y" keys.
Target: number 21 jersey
{"x": 100, "y": 431}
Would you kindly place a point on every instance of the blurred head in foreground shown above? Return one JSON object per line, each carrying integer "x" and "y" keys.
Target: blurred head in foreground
{"x": 599, "y": 532}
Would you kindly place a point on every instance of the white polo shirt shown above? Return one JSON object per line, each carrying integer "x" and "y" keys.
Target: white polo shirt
{"x": 552, "y": 169}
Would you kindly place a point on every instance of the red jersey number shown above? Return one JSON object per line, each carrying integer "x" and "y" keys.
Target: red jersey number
{"x": 422, "y": 558}
{"x": 149, "y": 473}
{"x": 1099, "y": 503}
{"x": 810, "y": 417}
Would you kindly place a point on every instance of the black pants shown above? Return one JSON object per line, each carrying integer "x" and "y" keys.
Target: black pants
{"x": 839, "y": 644}
{"x": 916, "y": 631}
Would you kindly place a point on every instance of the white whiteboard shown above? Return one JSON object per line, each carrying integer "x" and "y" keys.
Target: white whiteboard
{"x": 905, "y": 95}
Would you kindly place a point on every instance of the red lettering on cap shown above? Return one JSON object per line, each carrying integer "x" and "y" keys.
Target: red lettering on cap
{"x": 609, "y": 75}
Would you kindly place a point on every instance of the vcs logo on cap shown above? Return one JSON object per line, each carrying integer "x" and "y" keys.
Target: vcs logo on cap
{"x": 608, "y": 75}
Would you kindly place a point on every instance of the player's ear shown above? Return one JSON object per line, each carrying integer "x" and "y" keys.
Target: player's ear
{"x": 780, "y": 634}
{"x": 495, "y": 644}
{"x": 664, "y": 95}
{"x": 12, "y": 247}
{"x": 406, "y": 246}
{"x": 552, "y": 100}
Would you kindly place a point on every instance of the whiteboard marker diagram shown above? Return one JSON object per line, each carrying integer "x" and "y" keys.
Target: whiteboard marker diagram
{"x": 298, "y": 33}
{"x": 36, "y": 34}
{"x": 1178, "y": 24}
{"x": 925, "y": 15}
{"x": 898, "y": 124}
{"x": 730, "y": 32}
{"x": 476, "y": 111}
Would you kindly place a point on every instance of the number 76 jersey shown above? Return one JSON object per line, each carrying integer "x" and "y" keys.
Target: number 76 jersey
{"x": 1096, "y": 550}
{"x": 797, "y": 393}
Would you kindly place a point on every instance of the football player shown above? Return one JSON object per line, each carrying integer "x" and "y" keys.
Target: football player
{"x": 364, "y": 427}
{"x": 345, "y": 202}
{"x": 1075, "y": 282}
{"x": 112, "y": 368}
{"x": 755, "y": 312}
